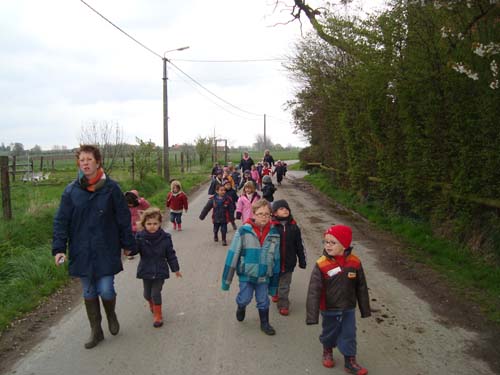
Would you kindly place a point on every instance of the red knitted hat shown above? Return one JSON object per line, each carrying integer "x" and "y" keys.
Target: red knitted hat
{"x": 343, "y": 233}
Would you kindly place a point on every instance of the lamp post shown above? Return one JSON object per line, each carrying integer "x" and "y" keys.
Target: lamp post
{"x": 166, "y": 165}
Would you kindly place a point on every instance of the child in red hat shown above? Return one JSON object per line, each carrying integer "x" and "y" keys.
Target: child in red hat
{"x": 337, "y": 284}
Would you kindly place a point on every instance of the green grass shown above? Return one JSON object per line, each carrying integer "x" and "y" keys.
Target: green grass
{"x": 467, "y": 273}
{"x": 27, "y": 270}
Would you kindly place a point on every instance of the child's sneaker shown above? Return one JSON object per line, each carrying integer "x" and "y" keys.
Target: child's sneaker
{"x": 352, "y": 367}
{"x": 174, "y": 224}
{"x": 275, "y": 298}
{"x": 216, "y": 239}
{"x": 284, "y": 311}
{"x": 224, "y": 243}
{"x": 328, "y": 358}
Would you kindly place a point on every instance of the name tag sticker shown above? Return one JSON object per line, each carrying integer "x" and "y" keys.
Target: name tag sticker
{"x": 351, "y": 275}
{"x": 334, "y": 271}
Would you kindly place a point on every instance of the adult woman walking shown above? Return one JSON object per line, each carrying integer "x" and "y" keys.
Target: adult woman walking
{"x": 94, "y": 220}
{"x": 268, "y": 158}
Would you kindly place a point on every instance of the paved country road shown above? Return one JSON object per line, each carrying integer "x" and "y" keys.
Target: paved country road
{"x": 202, "y": 336}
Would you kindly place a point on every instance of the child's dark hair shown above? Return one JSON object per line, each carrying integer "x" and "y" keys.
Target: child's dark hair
{"x": 131, "y": 199}
{"x": 151, "y": 213}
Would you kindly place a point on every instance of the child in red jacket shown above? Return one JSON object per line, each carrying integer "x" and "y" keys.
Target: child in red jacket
{"x": 176, "y": 201}
{"x": 337, "y": 284}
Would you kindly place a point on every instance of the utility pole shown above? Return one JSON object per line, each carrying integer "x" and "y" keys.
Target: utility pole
{"x": 265, "y": 139}
{"x": 166, "y": 166}
{"x": 166, "y": 163}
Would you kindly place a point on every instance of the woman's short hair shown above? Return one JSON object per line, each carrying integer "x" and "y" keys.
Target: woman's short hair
{"x": 91, "y": 149}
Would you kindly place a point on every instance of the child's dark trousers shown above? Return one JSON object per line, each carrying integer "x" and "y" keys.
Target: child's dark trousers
{"x": 339, "y": 330}
{"x": 152, "y": 290}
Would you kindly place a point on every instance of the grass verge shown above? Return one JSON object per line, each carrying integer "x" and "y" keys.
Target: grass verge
{"x": 472, "y": 276}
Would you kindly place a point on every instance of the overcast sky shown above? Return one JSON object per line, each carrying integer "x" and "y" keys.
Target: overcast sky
{"x": 63, "y": 67}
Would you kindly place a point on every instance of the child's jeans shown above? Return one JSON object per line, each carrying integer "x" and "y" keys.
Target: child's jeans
{"x": 152, "y": 290}
{"x": 246, "y": 292}
{"x": 284, "y": 290}
{"x": 176, "y": 217}
{"x": 339, "y": 329}
{"x": 103, "y": 286}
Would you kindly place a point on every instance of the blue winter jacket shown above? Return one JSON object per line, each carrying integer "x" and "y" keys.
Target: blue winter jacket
{"x": 157, "y": 255}
{"x": 252, "y": 261}
{"x": 95, "y": 226}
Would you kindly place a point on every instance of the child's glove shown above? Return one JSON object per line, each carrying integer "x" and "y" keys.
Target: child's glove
{"x": 238, "y": 215}
{"x": 302, "y": 265}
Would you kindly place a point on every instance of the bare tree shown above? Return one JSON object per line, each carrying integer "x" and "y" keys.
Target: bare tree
{"x": 108, "y": 136}
{"x": 36, "y": 149}
{"x": 16, "y": 148}
{"x": 260, "y": 145}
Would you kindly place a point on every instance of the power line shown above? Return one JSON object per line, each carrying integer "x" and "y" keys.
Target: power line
{"x": 225, "y": 109}
{"x": 123, "y": 31}
{"x": 175, "y": 66}
{"x": 231, "y": 61}
{"x": 212, "y": 93}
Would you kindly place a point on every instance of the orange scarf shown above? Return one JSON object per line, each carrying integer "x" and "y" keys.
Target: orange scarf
{"x": 91, "y": 184}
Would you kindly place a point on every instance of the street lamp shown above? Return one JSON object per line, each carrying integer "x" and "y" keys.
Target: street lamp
{"x": 166, "y": 166}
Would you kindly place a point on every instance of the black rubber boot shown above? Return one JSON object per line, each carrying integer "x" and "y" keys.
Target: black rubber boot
{"x": 240, "y": 313}
{"x": 109, "y": 307}
{"x": 94, "y": 315}
{"x": 264, "y": 323}
{"x": 224, "y": 242}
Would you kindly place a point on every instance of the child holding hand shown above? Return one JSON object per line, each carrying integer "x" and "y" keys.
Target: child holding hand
{"x": 337, "y": 283}
{"x": 157, "y": 256}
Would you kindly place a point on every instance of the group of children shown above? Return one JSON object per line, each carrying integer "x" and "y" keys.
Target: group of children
{"x": 263, "y": 253}
{"x": 224, "y": 201}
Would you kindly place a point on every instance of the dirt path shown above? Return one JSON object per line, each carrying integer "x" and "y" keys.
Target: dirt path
{"x": 418, "y": 327}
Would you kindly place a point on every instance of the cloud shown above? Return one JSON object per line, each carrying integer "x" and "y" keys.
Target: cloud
{"x": 63, "y": 66}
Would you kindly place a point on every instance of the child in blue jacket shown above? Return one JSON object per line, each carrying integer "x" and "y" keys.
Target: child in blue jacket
{"x": 223, "y": 212}
{"x": 254, "y": 256}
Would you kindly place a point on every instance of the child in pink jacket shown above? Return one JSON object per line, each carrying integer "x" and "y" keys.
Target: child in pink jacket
{"x": 136, "y": 205}
{"x": 254, "y": 172}
{"x": 244, "y": 204}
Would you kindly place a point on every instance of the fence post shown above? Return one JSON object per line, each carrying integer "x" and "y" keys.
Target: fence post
{"x": 53, "y": 167}
{"x": 159, "y": 169}
{"x": 132, "y": 167}
{"x": 4, "y": 171}
{"x": 182, "y": 161}
{"x": 41, "y": 163}
{"x": 14, "y": 168}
